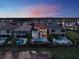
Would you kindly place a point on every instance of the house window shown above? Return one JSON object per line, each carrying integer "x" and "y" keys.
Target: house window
{"x": 62, "y": 34}
{"x": 21, "y": 32}
{"x": 7, "y": 35}
{"x": 21, "y": 36}
{"x": 62, "y": 30}
{"x": 53, "y": 30}
{"x": 4, "y": 35}
{"x": 8, "y": 31}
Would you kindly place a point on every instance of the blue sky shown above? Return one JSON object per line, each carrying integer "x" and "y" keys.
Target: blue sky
{"x": 39, "y": 8}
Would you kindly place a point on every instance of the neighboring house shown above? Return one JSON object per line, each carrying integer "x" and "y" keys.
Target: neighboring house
{"x": 55, "y": 29}
{"x": 6, "y": 21}
{"x": 21, "y": 32}
{"x": 70, "y": 25}
{"x": 6, "y": 31}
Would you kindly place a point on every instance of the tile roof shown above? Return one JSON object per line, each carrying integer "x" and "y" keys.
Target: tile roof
{"x": 41, "y": 26}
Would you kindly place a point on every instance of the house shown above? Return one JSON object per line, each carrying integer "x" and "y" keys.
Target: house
{"x": 42, "y": 29}
{"x": 21, "y": 32}
{"x": 6, "y": 32}
{"x": 56, "y": 29}
{"x": 39, "y": 34}
{"x": 69, "y": 25}
{"x": 6, "y": 21}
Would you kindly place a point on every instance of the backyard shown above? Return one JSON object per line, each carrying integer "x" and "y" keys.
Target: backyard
{"x": 62, "y": 52}
{"x": 74, "y": 36}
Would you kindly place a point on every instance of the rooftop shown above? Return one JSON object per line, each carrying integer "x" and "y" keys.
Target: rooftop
{"x": 24, "y": 27}
{"x": 41, "y": 26}
{"x": 8, "y": 27}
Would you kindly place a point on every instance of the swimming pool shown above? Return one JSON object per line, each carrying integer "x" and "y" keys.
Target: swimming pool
{"x": 62, "y": 40}
{"x": 21, "y": 41}
{"x": 42, "y": 40}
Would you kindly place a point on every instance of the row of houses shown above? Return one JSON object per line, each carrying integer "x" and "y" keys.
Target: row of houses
{"x": 39, "y": 31}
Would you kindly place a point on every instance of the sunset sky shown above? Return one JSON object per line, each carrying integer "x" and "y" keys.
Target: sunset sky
{"x": 39, "y": 8}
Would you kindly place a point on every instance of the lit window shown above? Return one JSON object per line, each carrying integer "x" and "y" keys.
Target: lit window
{"x": 45, "y": 29}
{"x": 40, "y": 30}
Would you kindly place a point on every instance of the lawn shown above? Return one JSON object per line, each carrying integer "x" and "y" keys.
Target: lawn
{"x": 65, "y": 53}
{"x": 62, "y": 52}
{"x": 74, "y": 36}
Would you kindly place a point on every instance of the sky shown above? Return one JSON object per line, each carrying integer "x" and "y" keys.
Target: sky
{"x": 39, "y": 8}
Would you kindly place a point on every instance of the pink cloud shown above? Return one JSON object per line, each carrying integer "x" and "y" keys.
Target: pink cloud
{"x": 34, "y": 11}
{"x": 44, "y": 10}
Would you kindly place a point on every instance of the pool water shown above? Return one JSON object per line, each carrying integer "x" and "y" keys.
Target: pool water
{"x": 21, "y": 41}
{"x": 43, "y": 40}
{"x": 62, "y": 40}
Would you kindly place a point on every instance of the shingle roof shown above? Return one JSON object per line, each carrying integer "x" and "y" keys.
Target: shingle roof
{"x": 8, "y": 27}
{"x": 55, "y": 26}
{"x": 24, "y": 28}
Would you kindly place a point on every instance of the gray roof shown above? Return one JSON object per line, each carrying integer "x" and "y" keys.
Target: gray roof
{"x": 24, "y": 28}
{"x": 8, "y": 27}
{"x": 55, "y": 26}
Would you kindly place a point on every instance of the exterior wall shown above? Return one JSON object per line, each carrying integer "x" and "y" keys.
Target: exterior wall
{"x": 35, "y": 34}
{"x": 3, "y": 32}
{"x": 43, "y": 33}
{"x": 57, "y": 31}
{"x": 20, "y": 33}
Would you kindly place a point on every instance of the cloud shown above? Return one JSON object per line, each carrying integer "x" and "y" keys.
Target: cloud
{"x": 34, "y": 11}
{"x": 44, "y": 10}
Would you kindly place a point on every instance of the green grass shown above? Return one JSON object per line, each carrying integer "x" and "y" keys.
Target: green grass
{"x": 65, "y": 53}
{"x": 61, "y": 52}
{"x": 73, "y": 35}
